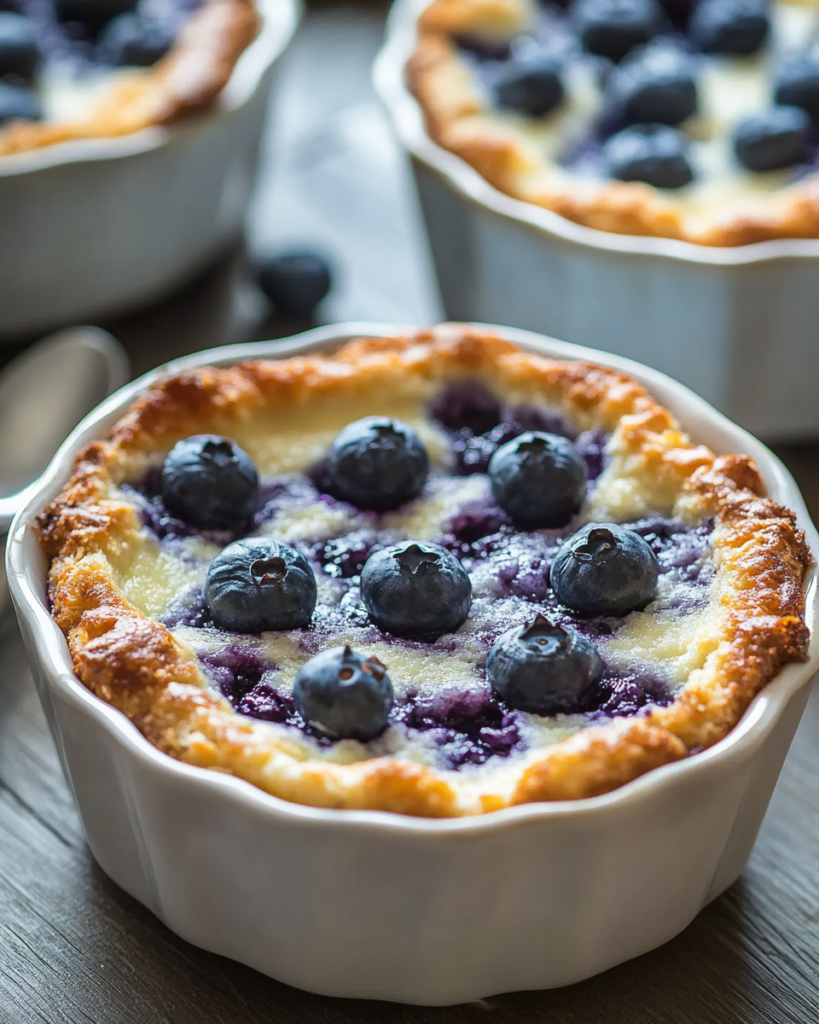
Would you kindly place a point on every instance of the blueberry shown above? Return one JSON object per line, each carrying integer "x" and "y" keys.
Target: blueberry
{"x": 776, "y": 138}
{"x": 413, "y": 589}
{"x": 611, "y": 28}
{"x": 294, "y": 282}
{"x": 539, "y": 479}
{"x": 257, "y": 584}
{"x": 94, "y": 13}
{"x": 210, "y": 483}
{"x": 651, "y": 153}
{"x": 796, "y": 84}
{"x": 344, "y": 694}
{"x": 133, "y": 41}
{"x": 655, "y": 86}
{"x": 19, "y": 52}
{"x": 731, "y": 27}
{"x": 605, "y": 570}
{"x": 542, "y": 668}
{"x": 377, "y": 463}
{"x": 530, "y": 84}
{"x": 18, "y": 104}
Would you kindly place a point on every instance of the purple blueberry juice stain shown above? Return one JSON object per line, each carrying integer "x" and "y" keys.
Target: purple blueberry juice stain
{"x": 264, "y": 702}
{"x": 234, "y": 670}
{"x": 471, "y": 530}
{"x": 591, "y": 446}
{"x": 680, "y": 550}
{"x": 466, "y": 405}
{"x": 188, "y": 609}
{"x": 344, "y": 557}
{"x": 478, "y": 424}
{"x": 468, "y": 727}
{"x": 625, "y": 695}
{"x": 244, "y": 679}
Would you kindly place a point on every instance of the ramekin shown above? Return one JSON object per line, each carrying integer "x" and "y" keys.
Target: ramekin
{"x": 737, "y": 325}
{"x": 378, "y": 905}
{"x": 94, "y": 226}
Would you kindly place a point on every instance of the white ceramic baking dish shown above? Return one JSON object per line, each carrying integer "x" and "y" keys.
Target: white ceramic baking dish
{"x": 738, "y": 325}
{"x": 95, "y": 226}
{"x": 382, "y": 906}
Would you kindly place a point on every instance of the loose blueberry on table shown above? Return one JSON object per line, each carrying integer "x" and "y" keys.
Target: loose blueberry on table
{"x": 655, "y": 66}
{"x": 295, "y": 282}
{"x": 529, "y": 606}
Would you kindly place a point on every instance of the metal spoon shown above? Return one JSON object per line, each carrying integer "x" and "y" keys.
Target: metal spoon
{"x": 44, "y": 393}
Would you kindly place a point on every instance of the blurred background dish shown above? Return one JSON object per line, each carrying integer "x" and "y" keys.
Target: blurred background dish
{"x": 96, "y": 225}
{"x": 703, "y": 315}
{"x": 80, "y": 69}
{"x": 690, "y": 120}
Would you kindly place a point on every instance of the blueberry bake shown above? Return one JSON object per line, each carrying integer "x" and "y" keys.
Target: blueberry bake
{"x": 75, "y": 69}
{"x": 687, "y": 119}
{"x": 430, "y": 574}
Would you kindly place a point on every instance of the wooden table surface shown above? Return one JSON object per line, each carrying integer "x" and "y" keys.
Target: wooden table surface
{"x": 73, "y": 947}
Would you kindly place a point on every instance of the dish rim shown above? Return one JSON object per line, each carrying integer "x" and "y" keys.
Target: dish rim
{"x": 407, "y": 120}
{"x": 279, "y": 19}
{"x": 741, "y": 742}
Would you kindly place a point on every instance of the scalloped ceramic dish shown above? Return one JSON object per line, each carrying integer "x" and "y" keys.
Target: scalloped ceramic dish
{"x": 703, "y": 315}
{"x": 376, "y": 905}
{"x": 94, "y": 226}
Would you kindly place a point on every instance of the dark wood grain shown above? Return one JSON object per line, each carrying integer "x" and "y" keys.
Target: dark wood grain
{"x": 73, "y": 947}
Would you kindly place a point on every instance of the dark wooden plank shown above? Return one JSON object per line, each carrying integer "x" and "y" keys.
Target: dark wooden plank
{"x": 74, "y": 948}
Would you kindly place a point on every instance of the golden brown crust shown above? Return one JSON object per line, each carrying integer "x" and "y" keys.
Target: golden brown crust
{"x": 598, "y": 760}
{"x": 453, "y": 112}
{"x": 136, "y": 665}
{"x": 184, "y": 82}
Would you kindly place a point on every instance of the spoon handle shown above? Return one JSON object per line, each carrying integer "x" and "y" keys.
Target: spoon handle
{"x": 105, "y": 364}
